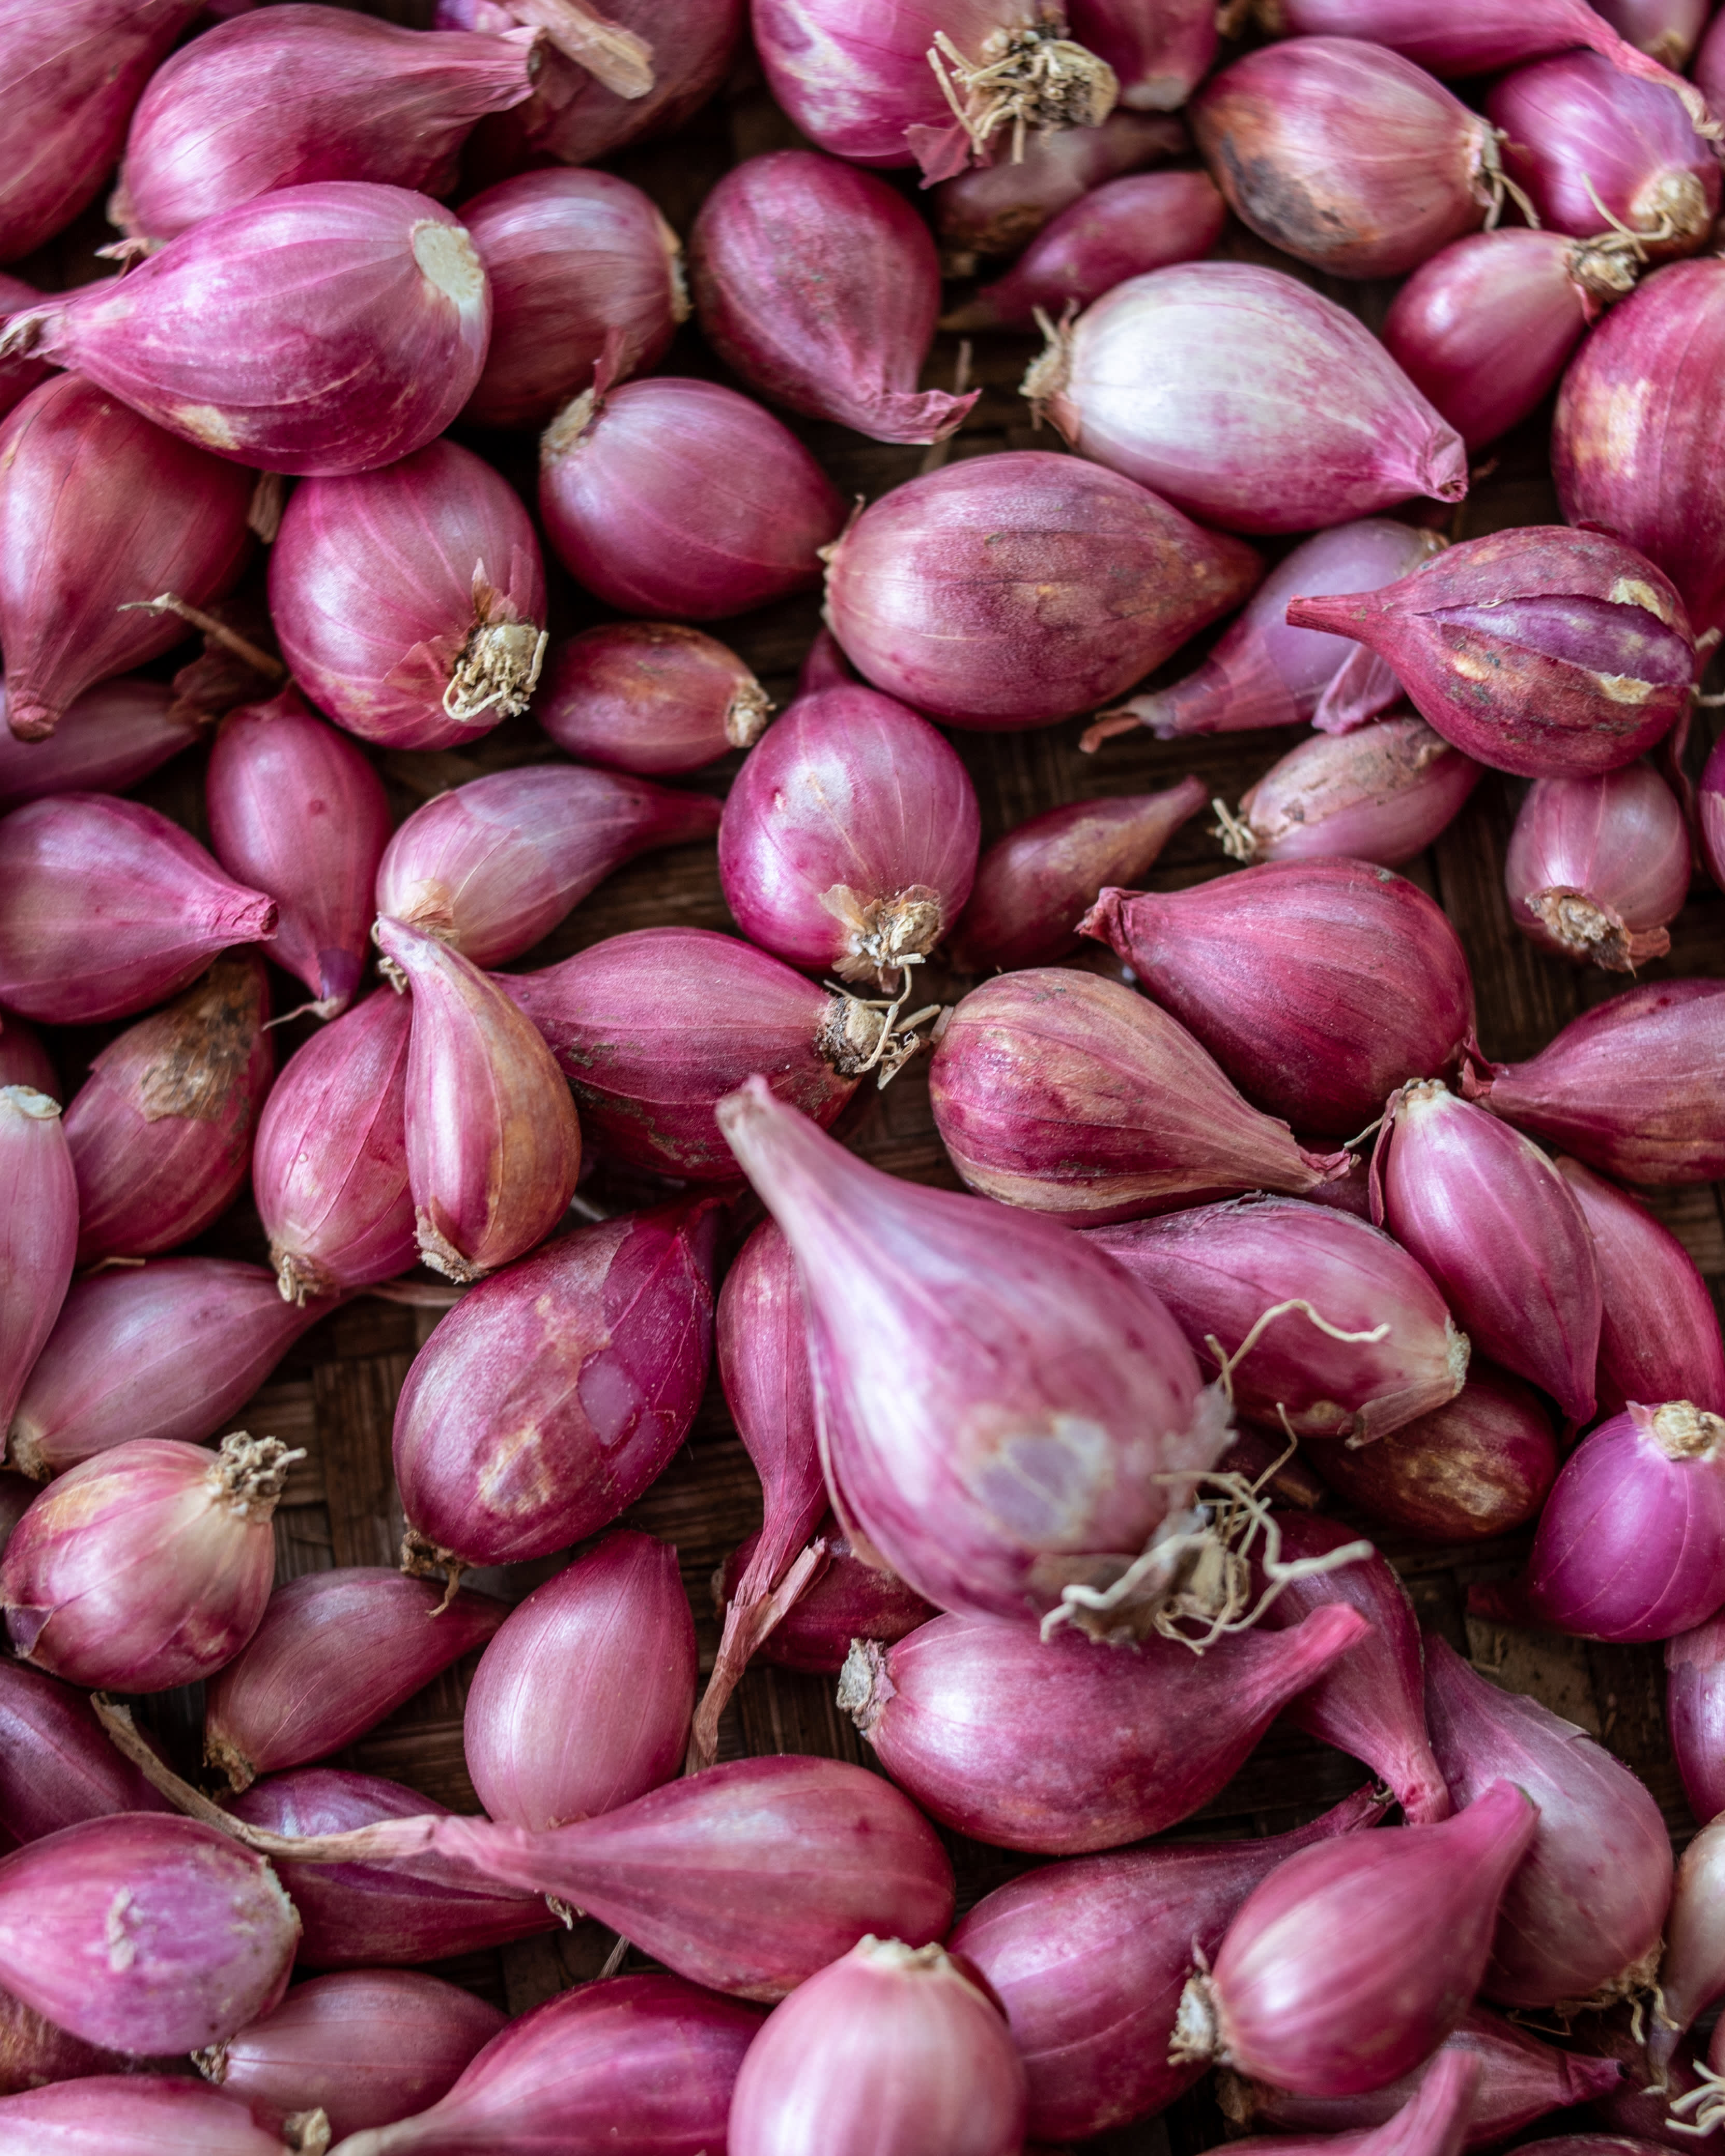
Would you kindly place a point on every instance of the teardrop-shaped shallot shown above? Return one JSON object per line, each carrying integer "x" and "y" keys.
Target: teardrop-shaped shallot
{"x": 493, "y": 1143}
{"x": 318, "y": 329}
{"x": 1432, "y": 2119}
{"x": 112, "y": 737}
{"x": 410, "y": 602}
{"x": 1070, "y": 1094}
{"x": 18, "y": 376}
{"x": 1159, "y": 54}
{"x": 1695, "y": 1714}
{"x": 581, "y": 1700}
{"x": 1056, "y": 1747}
{"x": 1008, "y": 590}
{"x": 817, "y": 284}
{"x": 649, "y": 697}
{"x": 1381, "y": 793}
{"x": 1318, "y": 986}
{"x": 337, "y": 1651}
{"x": 1004, "y": 1355}
{"x": 1597, "y": 865}
{"x": 1692, "y": 1971}
{"x": 39, "y": 1233}
{"x": 998, "y": 208}
{"x": 491, "y": 867}
{"x": 848, "y": 840}
{"x": 845, "y": 1599}
{"x": 129, "y": 2114}
{"x": 105, "y": 907}
{"x": 1313, "y": 422}
{"x": 549, "y": 1398}
{"x": 57, "y": 1764}
{"x": 161, "y": 1131}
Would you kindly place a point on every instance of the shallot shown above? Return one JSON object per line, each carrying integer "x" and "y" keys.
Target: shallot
{"x": 1597, "y": 865}
{"x": 34, "y": 2053}
{"x": 25, "y": 1061}
{"x": 1710, "y": 815}
{"x": 1381, "y": 793}
{"x": 649, "y": 697}
{"x": 137, "y": 2115}
{"x": 113, "y": 737}
{"x": 18, "y": 376}
{"x": 845, "y": 1599}
{"x": 56, "y": 1765}
{"x": 998, "y": 208}
{"x": 1433, "y": 2118}
{"x": 1159, "y": 54}
{"x": 1666, "y": 30}
{"x": 1691, "y": 1972}
{"x": 1695, "y": 1713}
{"x": 38, "y": 1234}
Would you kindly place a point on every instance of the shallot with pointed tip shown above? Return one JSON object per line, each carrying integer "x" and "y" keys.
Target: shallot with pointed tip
{"x": 647, "y": 696}
{"x": 18, "y": 376}
{"x": 843, "y": 1599}
{"x": 1160, "y": 54}
{"x": 38, "y": 1234}
{"x": 1598, "y": 864}
{"x": 1433, "y": 2118}
{"x": 1695, "y": 1714}
{"x": 998, "y": 208}
{"x": 113, "y": 737}
{"x": 1381, "y": 793}
{"x": 131, "y": 2114}
{"x": 1691, "y": 1972}
{"x": 56, "y": 1765}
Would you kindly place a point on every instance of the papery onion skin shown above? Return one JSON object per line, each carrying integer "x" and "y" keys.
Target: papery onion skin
{"x": 364, "y": 2046}
{"x": 144, "y": 1933}
{"x": 165, "y": 909}
{"x": 1597, "y": 865}
{"x": 492, "y": 867}
{"x": 246, "y": 335}
{"x": 1318, "y": 986}
{"x": 890, "y": 2046}
{"x": 57, "y": 1764}
{"x": 1695, "y": 1714}
{"x": 1662, "y": 1042}
{"x": 1543, "y": 651}
{"x": 845, "y": 1601}
{"x": 18, "y": 376}
{"x": 1036, "y": 885}
{"x": 1380, "y": 794}
{"x": 98, "y": 509}
{"x": 1030, "y": 1338}
{"x": 1054, "y": 1747}
{"x": 114, "y": 736}
{"x": 549, "y": 1398}
{"x": 1089, "y": 1957}
{"x": 582, "y": 265}
{"x": 335, "y": 1652}
{"x": 1319, "y": 425}
{"x": 678, "y": 498}
{"x": 1478, "y": 1466}
{"x": 39, "y": 1233}
{"x": 1160, "y": 54}
{"x": 1071, "y": 1096}
{"x": 170, "y": 1350}
{"x": 1345, "y": 155}
{"x": 581, "y": 1700}
{"x": 161, "y": 1131}
{"x": 410, "y": 602}
{"x": 270, "y": 101}
{"x": 1008, "y": 590}
{"x": 648, "y": 696}
{"x": 998, "y": 208}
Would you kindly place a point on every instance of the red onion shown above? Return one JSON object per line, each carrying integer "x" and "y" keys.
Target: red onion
{"x": 1581, "y": 137}
{"x": 1160, "y": 53}
{"x": 1489, "y": 1217}
{"x": 580, "y": 265}
{"x": 1033, "y": 886}
{"x": 168, "y": 1350}
{"x": 583, "y": 1700}
{"x": 1322, "y": 426}
{"x": 24, "y": 1061}
{"x": 649, "y": 697}
{"x": 39, "y": 1233}
{"x": 1318, "y": 986}
{"x": 1008, "y": 590}
{"x": 680, "y": 497}
{"x": 998, "y": 208}
{"x": 106, "y": 907}
{"x": 1476, "y": 1467}
{"x": 1581, "y": 1919}
{"x": 100, "y": 512}
{"x": 865, "y": 91}
{"x": 273, "y": 101}
{"x": 845, "y": 1600}
{"x": 410, "y": 603}
{"x": 1002, "y": 1352}
{"x": 1054, "y": 1747}
{"x": 144, "y": 1933}
{"x": 71, "y": 74}
{"x": 357, "y": 1915}
{"x": 652, "y": 1028}
{"x": 633, "y": 2063}
{"x": 337, "y": 1652}
{"x": 1221, "y": 1268}
{"x": 1145, "y": 222}
{"x": 249, "y": 333}
{"x": 137, "y": 2115}
{"x": 493, "y": 1143}
{"x": 1632, "y": 1086}
{"x": 549, "y": 1398}
{"x": 1597, "y": 865}
{"x": 161, "y": 1131}
{"x": 1088, "y": 1958}
{"x": 1346, "y": 156}
{"x": 890, "y": 2047}
{"x": 492, "y": 866}
{"x": 817, "y": 284}
{"x": 365, "y": 2047}
{"x": 330, "y": 1166}
{"x": 1381, "y": 793}
{"x": 1486, "y": 327}
{"x": 1546, "y": 651}
{"x": 1262, "y": 673}
{"x": 296, "y": 811}
{"x": 56, "y": 1765}
{"x": 1635, "y": 443}
{"x": 114, "y": 735}
{"x": 148, "y": 1566}
{"x": 848, "y": 840}
{"x": 1666, "y": 30}
{"x": 1070, "y": 1094}
{"x": 1305, "y": 1996}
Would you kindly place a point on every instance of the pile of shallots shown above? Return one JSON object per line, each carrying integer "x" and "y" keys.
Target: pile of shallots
{"x": 1072, "y": 1481}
